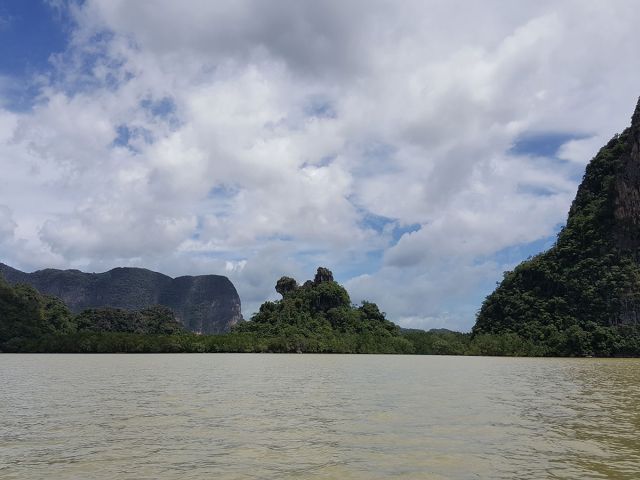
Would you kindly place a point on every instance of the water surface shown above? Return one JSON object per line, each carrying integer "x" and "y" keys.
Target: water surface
{"x": 229, "y": 416}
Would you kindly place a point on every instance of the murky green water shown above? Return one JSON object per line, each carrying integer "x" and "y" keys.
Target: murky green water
{"x": 309, "y": 416}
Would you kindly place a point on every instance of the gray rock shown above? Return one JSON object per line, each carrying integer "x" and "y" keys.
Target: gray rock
{"x": 203, "y": 304}
{"x": 323, "y": 275}
{"x": 627, "y": 191}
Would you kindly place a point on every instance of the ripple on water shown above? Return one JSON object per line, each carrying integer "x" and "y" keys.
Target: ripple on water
{"x": 314, "y": 416}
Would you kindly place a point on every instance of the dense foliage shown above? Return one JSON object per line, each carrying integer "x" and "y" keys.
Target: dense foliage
{"x": 319, "y": 316}
{"x": 25, "y": 313}
{"x": 156, "y": 320}
{"x": 444, "y": 342}
{"x": 419, "y": 342}
{"x": 582, "y": 296}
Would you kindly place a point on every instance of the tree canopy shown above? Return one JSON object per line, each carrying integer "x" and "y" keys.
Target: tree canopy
{"x": 321, "y": 310}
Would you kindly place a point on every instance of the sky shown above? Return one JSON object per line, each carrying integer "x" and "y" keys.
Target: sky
{"x": 418, "y": 149}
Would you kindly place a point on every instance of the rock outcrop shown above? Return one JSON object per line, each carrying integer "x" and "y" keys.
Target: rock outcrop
{"x": 323, "y": 275}
{"x": 203, "y": 304}
{"x": 627, "y": 190}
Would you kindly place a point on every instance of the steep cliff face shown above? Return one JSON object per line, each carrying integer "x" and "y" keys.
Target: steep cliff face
{"x": 192, "y": 300}
{"x": 204, "y": 304}
{"x": 591, "y": 277}
{"x": 627, "y": 190}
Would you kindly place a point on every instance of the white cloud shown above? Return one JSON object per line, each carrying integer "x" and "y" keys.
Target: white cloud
{"x": 256, "y": 139}
{"x": 7, "y": 224}
{"x": 581, "y": 150}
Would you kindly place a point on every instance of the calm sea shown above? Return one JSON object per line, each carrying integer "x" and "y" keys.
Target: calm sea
{"x": 226, "y": 416}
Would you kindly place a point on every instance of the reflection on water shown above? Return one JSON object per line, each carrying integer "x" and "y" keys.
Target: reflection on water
{"x": 228, "y": 416}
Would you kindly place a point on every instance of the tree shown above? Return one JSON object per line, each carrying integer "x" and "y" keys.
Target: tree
{"x": 286, "y": 285}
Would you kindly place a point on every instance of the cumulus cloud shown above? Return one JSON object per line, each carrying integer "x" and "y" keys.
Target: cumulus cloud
{"x": 264, "y": 139}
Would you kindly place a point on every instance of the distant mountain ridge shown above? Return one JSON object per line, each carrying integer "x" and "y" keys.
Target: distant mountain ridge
{"x": 203, "y": 304}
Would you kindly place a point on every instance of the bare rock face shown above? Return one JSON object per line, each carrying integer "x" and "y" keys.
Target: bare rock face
{"x": 627, "y": 191}
{"x": 323, "y": 275}
{"x": 203, "y": 304}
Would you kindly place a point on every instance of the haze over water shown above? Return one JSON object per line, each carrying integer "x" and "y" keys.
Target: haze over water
{"x": 229, "y": 416}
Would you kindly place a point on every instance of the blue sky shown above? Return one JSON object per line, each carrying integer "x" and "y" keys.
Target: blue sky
{"x": 416, "y": 156}
{"x": 31, "y": 31}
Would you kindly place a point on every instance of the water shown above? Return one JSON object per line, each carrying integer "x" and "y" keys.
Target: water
{"x": 345, "y": 417}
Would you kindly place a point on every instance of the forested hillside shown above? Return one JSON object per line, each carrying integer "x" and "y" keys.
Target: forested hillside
{"x": 583, "y": 295}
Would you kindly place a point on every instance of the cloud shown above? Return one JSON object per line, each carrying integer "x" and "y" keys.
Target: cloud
{"x": 401, "y": 289}
{"x": 7, "y": 224}
{"x": 581, "y": 150}
{"x": 262, "y": 140}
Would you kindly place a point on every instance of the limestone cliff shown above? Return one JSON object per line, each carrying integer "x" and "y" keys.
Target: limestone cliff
{"x": 627, "y": 190}
{"x": 204, "y": 304}
{"x": 590, "y": 278}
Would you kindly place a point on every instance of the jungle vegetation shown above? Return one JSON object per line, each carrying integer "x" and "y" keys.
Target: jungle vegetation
{"x": 582, "y": 296}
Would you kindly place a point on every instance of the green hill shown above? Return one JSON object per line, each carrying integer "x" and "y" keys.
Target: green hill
{"x": 583, "y": 295}
{"x": 25, "y": 313}
{"x": 319, "y": 316}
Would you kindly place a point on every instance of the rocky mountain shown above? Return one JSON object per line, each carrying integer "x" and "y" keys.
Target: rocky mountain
{"x": 588, "y": 283}
{"x": 204, "y": 304}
